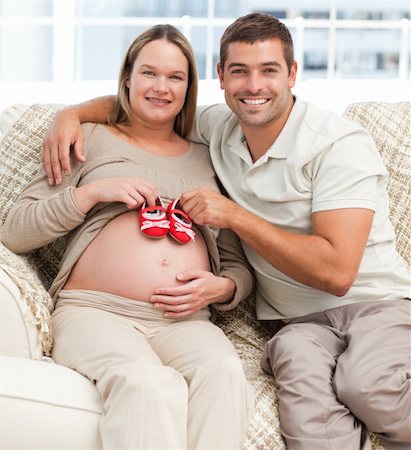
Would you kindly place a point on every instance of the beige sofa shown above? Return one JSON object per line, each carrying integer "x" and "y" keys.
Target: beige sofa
{"x": 49, "y": 407}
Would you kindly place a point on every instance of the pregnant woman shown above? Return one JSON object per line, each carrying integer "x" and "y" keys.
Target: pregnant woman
{"x": 137, "y": 278}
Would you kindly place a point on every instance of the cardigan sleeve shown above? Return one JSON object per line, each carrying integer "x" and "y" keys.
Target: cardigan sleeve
{"x": 42, "y": 213}
{"x": 234, "y": 265}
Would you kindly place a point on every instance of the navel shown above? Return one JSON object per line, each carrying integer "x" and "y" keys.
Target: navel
{"x": 164, "y": 262}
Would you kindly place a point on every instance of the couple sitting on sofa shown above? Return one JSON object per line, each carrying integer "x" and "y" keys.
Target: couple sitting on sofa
{"x": 307, "y": 198}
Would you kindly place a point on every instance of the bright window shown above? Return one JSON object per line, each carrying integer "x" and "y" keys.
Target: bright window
{"x": 81, "y": 40}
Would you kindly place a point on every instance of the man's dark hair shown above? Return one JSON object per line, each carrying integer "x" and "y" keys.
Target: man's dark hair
{"x": 257, "y": 27}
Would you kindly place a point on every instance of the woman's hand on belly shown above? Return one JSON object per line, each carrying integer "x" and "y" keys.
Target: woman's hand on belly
{"x": 201, "y": 288}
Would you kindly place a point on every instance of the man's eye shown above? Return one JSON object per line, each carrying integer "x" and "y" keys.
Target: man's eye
{"x": 237, "y": 71}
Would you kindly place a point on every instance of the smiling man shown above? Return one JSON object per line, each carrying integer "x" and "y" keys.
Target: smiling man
{"x": 307, "y": 196}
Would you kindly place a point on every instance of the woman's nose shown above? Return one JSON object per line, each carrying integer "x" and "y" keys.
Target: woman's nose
{"x": 161, "y": 84}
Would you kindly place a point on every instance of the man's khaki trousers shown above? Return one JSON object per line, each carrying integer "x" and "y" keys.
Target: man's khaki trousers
{"x": 342, "y": 372}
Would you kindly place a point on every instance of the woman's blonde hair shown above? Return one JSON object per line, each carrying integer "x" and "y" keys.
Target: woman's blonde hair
{"x": 121, "y": 112}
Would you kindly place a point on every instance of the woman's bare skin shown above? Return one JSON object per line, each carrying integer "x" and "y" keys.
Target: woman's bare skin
{"x": 122, "y": 260}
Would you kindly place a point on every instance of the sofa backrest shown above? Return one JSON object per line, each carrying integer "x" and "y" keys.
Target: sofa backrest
{"x": 19, "y": 162}
{"x": 390, "y": 126}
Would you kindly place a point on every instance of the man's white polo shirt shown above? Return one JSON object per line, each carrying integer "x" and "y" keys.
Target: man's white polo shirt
{"x": 320, "y": 161}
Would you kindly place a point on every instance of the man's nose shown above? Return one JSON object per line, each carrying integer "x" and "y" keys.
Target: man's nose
{"x": 254, "y": 83}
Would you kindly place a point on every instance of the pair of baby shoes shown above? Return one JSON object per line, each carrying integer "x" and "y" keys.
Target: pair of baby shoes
{"x": 156, "y": 221}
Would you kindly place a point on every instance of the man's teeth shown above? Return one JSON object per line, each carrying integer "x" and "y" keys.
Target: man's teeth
{"x": 259, "y": 101}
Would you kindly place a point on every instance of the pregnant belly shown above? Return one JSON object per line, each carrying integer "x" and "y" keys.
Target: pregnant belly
{"x": 122, "y": 260}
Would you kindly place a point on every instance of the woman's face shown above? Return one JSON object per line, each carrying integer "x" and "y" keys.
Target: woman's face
{"x": 158, "y": 83}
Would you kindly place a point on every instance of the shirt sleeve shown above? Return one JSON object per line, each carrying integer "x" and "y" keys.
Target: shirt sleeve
{"x": 206, "y": 119}
{"x": 43, "y": 213}
{"x": 348, "y": 174}
{"x": 234, "y": 265}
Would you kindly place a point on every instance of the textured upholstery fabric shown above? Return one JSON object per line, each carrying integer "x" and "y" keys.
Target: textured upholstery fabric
{"x": 19, "y": 335}
{"x": 390, "y": 127}
{"x": 20, "y": 159}
{"x": 35, "y": 315}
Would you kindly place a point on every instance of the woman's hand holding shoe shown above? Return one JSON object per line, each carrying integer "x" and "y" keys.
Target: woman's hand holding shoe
{"x": 133, "y": 192}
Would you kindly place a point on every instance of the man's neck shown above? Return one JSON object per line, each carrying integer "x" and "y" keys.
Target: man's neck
{"x": 260, "y": 139}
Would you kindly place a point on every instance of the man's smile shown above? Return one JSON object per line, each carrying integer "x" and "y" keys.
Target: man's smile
{"x": 254, "y": 101}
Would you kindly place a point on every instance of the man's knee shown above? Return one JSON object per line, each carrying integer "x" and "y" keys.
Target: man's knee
{"x": 288, "y": 347}
{"x": 380, "y": 401}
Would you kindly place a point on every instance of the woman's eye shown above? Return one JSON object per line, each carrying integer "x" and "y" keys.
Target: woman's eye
{"x": 148, "y": 72}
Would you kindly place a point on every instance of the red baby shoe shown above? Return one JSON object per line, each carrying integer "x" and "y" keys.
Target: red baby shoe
{"x": 153, "y": 220}
{"x": 180, "y": 223}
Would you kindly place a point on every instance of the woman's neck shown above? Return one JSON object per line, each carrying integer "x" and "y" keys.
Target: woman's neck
{"x": 155, "y": 132}
{"x": 161, "y": 140}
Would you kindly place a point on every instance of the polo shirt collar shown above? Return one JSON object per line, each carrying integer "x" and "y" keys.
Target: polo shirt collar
{"x": 238, "y": 145}
{"x": 282, "y": 146}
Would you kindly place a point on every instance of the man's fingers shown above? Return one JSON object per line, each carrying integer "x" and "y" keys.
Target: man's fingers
{"x": 188, "y": 195}
{"x": 64, "y": 159}
{"x": 55, "y": 158}
{"x": 78, "y": 149}
{"x": 46, "y": 163}
{"x": 56, "y": 168}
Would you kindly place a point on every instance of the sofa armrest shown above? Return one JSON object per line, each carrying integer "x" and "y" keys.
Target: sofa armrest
{"x": 47, "y": 406}
{"x": 19, "y": 336}
{"x": 9, "y": 116}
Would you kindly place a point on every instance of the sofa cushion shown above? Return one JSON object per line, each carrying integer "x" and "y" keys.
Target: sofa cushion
{"x": 25, "y": 309}
{"x": 47, "y": 406}
{"x": 20, "y": 161}
{"x": 389, "y": 125}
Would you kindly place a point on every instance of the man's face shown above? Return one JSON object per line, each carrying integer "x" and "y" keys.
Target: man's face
{"x": 256, "y": 82}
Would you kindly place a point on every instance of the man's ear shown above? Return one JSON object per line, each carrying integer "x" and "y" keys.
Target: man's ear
{"x": 293, "y": 75}
{"x": 220, "y": 75}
